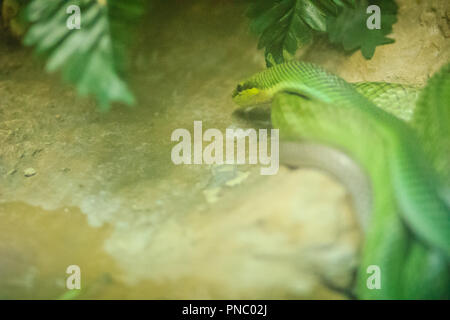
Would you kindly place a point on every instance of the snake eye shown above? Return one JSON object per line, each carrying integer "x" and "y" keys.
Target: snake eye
{"x": 242, "y": 87}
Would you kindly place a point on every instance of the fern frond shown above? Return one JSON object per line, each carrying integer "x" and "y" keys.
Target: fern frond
{"x": 92, "y": 57}
{"x": 283, "y": 26}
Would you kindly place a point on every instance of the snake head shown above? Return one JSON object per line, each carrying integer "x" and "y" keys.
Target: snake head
{"x": 248, "y": 93}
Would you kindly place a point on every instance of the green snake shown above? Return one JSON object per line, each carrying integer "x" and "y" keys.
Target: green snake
{"x": 390, "y": 145}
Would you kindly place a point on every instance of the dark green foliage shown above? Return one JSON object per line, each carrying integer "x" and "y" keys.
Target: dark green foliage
{"x": 92, "y": 57}
{"x": 349, "y": 29}
{"x": 285, "y": 25}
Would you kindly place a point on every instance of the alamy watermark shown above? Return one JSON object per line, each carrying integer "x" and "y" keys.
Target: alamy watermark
{"x": 374, "y": 280}
{"x": 73, "y": 281}
{"x": 374, "y": 21}
{"x": 74, "y": 20}
{"x": 192, "y": 150}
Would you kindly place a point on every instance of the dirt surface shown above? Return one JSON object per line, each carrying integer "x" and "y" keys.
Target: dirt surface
{"x": 99, "y": 189}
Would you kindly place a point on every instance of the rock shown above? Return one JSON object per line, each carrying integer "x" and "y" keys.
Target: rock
{"x": 241, "y": 176}
{"x": 36, "y": 152}
{"x": 212, "y": 194}
{"x": 223, "y": 175}
{"x": 29, "y": 172}
{"x": 288, "y": 235}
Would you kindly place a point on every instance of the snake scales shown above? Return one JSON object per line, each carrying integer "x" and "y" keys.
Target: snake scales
{"x": 390, "y": 146}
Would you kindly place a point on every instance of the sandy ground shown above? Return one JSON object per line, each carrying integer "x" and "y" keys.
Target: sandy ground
{"x": 106, "y": 196}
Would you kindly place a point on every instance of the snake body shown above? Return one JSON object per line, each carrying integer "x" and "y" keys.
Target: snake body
{"x": 407, "y": 234}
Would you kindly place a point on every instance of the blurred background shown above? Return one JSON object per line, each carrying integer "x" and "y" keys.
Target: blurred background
{"x": 79, "y": 185}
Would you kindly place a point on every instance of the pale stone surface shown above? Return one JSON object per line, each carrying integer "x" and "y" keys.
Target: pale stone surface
{"x": 29, "y": 172}
{"x": 286, "y": 234}
{"x": 422, "y": 46}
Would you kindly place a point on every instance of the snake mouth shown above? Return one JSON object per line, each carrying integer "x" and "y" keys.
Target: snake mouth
{"x": 298, "y": 94}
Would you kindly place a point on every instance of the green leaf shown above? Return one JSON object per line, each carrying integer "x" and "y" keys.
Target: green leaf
{"x": 285, "y": 25}
{"x": 93, "y": 57}
{"x": 349, "y": 27}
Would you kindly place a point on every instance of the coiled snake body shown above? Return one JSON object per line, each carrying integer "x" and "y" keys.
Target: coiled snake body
{"x": 404, "y": 156}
